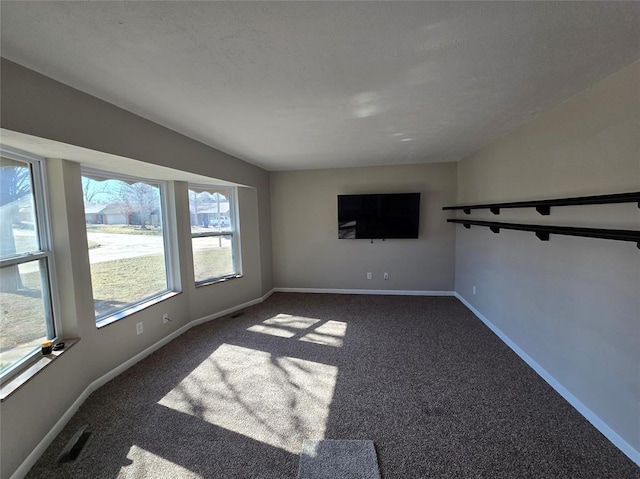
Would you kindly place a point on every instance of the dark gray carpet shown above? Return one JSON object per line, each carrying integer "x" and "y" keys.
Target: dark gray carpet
{"x": 338, "y": 459}
{"x": 437, "y": 392}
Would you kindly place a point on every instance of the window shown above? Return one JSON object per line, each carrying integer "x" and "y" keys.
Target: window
{"x": 214, "y": 236}
{"x": 26, "y": 262}
{"x": 125, "y": 220}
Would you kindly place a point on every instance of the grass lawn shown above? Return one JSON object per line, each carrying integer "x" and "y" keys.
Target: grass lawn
{"x": 212, "y": 262}
{"x": 114, "y": 283}
{"x": 21, "y": 318}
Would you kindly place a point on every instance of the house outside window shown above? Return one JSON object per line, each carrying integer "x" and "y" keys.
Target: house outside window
{"x": 214, "y": 234}
{"x": 27, "y": 315}
{"x": 128, "y": 245}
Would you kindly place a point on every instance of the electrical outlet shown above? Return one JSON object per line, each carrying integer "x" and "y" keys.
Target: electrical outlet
{"x": 368, "y": 275}
{"x": 474, "y": 290}
{"x": 139, "y": 328}
{"x": 165, "y": 318}
{"x": 386, "y": 276}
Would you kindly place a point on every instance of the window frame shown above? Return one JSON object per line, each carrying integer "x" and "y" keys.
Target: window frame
{"x": 45, "y": 253}
{"x": 234, "y": 232}
{"x": 171, "y": 268}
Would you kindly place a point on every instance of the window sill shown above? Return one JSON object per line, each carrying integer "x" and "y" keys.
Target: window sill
{"x": 217, "y": 280}
{"x": 102, "y": 322}
{"x": 16, "y": 383}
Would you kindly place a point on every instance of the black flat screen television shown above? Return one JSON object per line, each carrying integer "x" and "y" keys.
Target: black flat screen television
{"x": 380, "y": 216}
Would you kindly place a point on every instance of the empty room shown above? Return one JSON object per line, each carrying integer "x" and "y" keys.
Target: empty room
{"x": 310, "y": 240}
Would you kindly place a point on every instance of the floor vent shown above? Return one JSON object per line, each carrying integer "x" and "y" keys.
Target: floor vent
{"x": 74, "y": 447}
{"x": 236, "y": 315}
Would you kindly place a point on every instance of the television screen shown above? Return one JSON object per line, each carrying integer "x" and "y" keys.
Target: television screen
{"x": 381, "y": 216}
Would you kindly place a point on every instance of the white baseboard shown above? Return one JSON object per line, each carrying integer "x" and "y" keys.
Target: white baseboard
{"x": 42, "y": 446}
{"x": 219, "y": 314}
{"x": 589, "y": 415}
{"x": 393, "y": 292}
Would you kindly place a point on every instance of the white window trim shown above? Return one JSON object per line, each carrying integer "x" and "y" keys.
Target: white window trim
{"x": 170, "y": 249}
{"x": 234, "y": 233}
{"x": 41, "y": 199}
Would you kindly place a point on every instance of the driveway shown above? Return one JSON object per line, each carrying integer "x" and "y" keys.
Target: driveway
{"x": 120, "y": 246}
{"x": 115, "y": 246}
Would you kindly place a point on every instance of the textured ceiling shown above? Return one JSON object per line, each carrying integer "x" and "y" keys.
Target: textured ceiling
{"x": 298, "y": 85}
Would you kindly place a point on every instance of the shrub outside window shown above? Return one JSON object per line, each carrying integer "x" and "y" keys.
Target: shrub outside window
{"x": 214, "y": 236}
{"x": 125, "y": 224}
{"x": 26, "y": 262}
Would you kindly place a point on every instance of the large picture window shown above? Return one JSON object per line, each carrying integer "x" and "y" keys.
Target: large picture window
{"x": 213, "y": 233}
{"x": 26, "y": 312}
{"x": 127, "y": 242}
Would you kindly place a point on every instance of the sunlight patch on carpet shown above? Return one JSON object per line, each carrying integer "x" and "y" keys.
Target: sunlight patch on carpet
{"x": 284, "y": 325}
{"x": 328, "y": 334}
{"x": 151, "y": 466}
{"x": 278, "y": 401}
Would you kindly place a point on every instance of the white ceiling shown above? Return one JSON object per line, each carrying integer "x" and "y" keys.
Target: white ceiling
{"x": 298, "y": 85}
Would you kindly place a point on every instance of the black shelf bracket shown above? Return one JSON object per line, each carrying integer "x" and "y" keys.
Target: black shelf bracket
{"x": 544, "y": 231}
{"x": 544, "y": 210}
{"x": 542, "y": 235}
{"x": 544, "y": 206}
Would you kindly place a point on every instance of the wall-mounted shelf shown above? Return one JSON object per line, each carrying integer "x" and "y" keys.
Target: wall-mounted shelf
{"x": 544, "y": 206}
{"x": 543, "y": 231}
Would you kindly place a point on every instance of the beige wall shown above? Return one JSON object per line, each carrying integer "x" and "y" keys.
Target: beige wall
{"x": 35, "y": 105}
{"x": 572, "y": 304}
{"x": 308, "y": 254}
